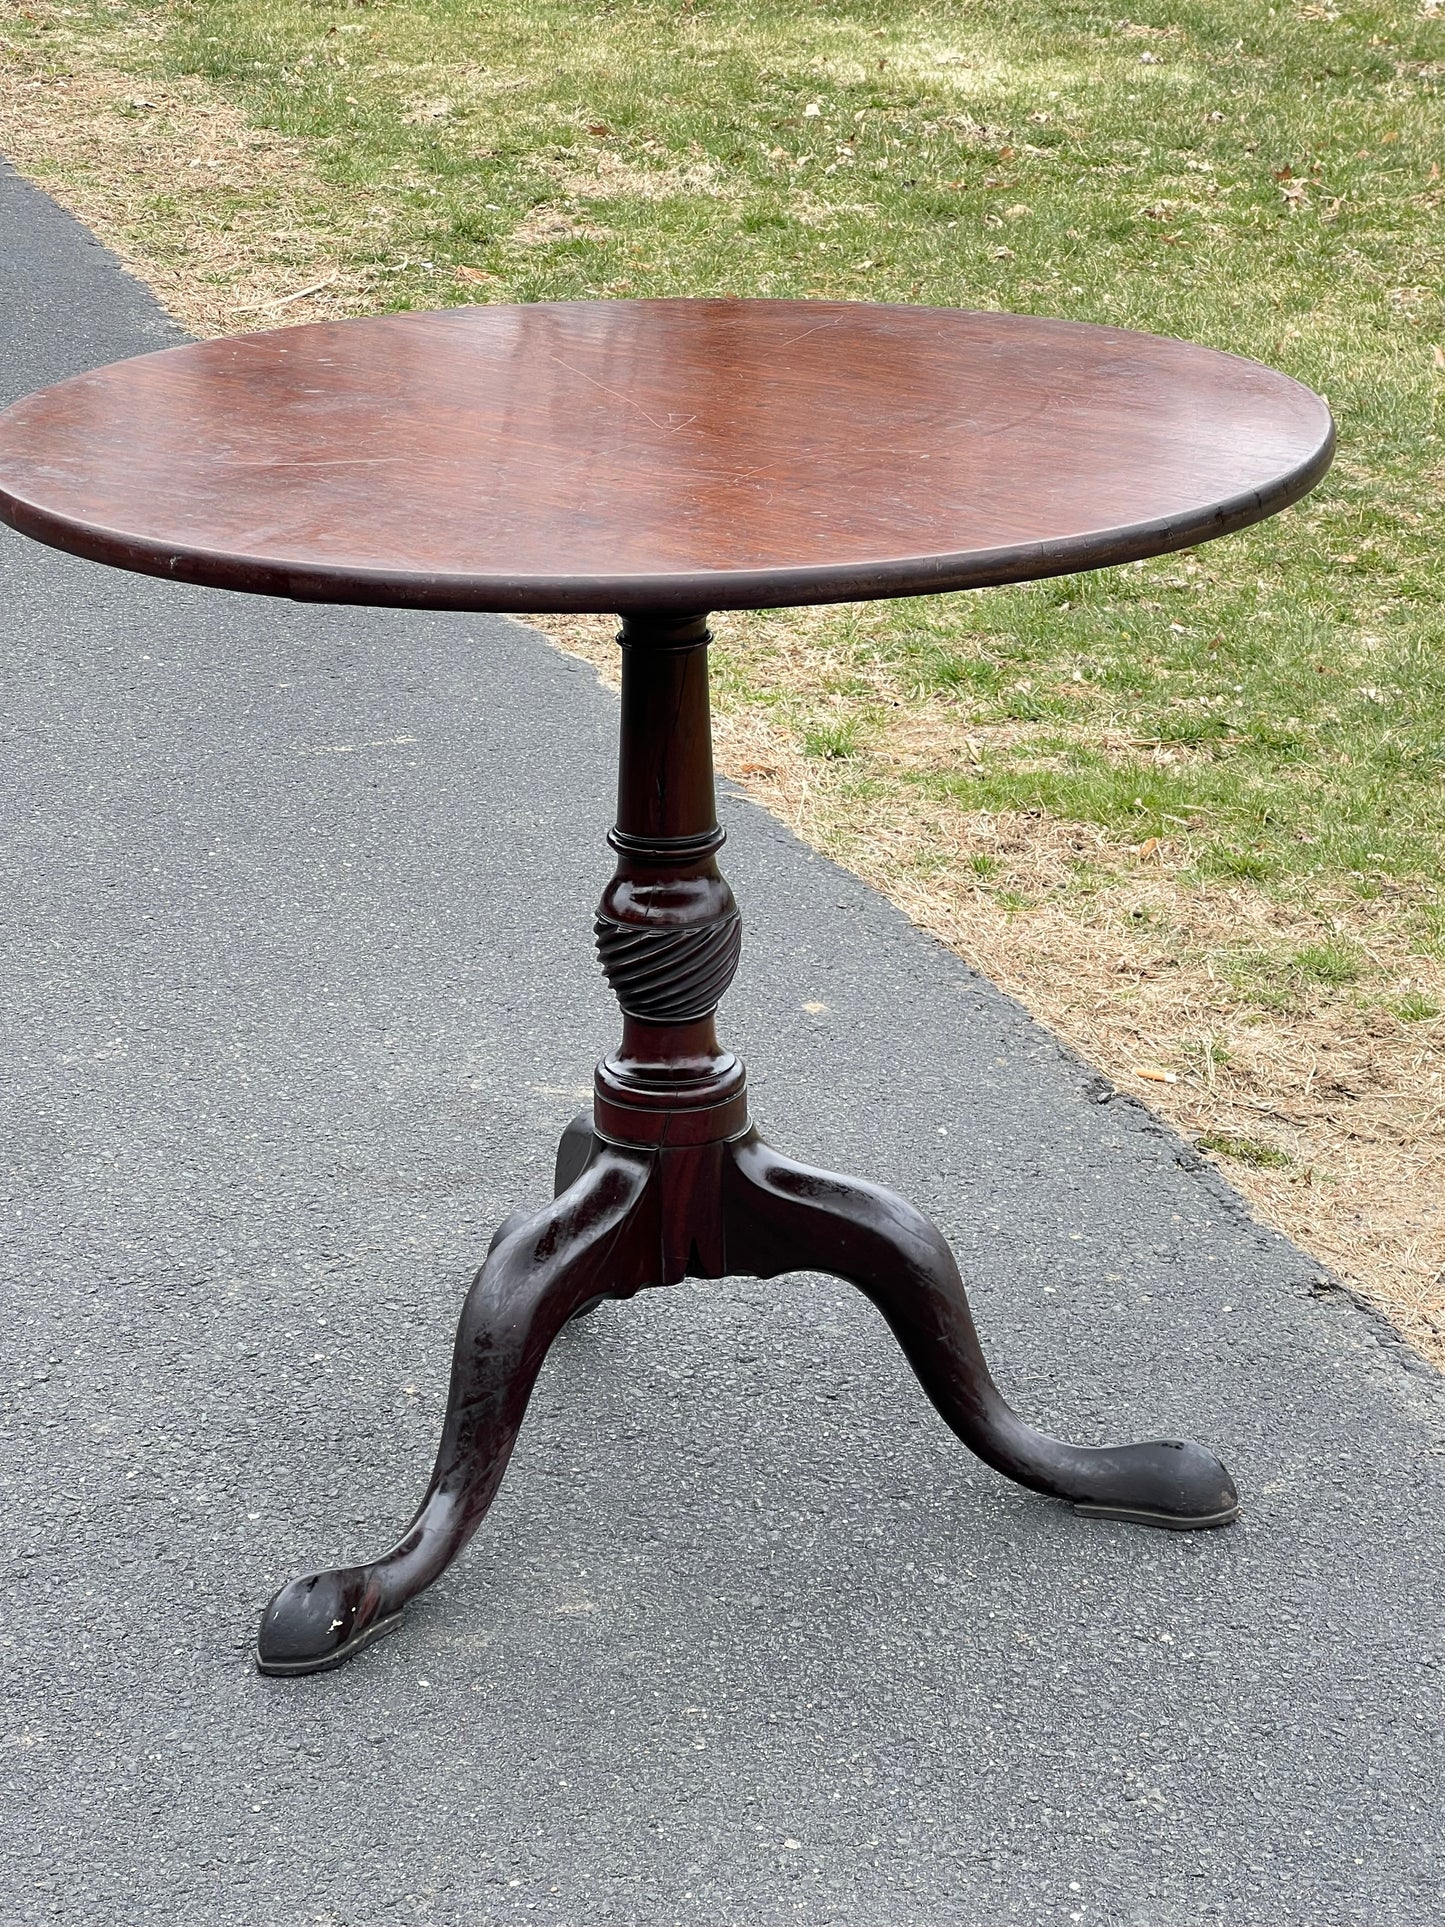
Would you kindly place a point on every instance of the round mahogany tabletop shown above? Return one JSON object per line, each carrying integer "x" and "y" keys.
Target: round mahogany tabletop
{"x": 627, "y": 455}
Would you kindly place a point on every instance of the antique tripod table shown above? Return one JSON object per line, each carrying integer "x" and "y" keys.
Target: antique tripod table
{"x": 659, "y": 460}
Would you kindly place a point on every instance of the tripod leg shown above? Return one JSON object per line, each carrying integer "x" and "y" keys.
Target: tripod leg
{"x": 781, "y": 1216}
{"x": 535, "y": 1278}
{"x": 574, "y": 1154}
{"x": 580, "y": 1144}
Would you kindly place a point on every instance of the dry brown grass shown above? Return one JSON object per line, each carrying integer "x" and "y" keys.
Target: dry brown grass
{"x": 214, "y": 214}
{"x": 1181, "y": 992}
{"x": 611, "y": 177}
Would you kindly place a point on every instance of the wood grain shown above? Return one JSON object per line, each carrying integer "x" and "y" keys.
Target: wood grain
{"x": 655, "y": 455}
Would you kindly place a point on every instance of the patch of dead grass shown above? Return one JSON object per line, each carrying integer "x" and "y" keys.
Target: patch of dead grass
{"x": 544, "y": 225}
{"x": 214, "y": 214}
{"x": 609, "y": 176}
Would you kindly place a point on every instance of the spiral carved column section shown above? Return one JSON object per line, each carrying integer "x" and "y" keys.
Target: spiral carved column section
{"x": 669, "y": 974}
{"x": 668, "y": 930}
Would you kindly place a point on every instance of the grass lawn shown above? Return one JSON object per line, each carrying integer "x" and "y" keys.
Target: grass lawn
{"x": 1190, "y": 812}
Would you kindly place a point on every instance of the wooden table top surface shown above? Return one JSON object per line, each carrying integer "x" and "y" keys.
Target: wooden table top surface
{"x": 627, "y": 455}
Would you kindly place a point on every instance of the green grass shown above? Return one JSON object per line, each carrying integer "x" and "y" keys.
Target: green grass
{"x": 1246, "y": 176}
{"x": 1326, "y": 963}
{"x": 1288, "y": 981}
{"x": 1415, "y": 1008}
{"x": 1246, "y": 1150}
{"x": 834, "y": 741}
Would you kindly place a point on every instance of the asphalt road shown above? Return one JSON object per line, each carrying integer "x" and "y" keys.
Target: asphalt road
{"x": 297, "y": 994}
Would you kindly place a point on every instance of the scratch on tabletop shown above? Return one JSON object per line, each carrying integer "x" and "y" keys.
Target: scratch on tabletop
{"x": 793, "y": 340}
{"x": 668, "y": 428}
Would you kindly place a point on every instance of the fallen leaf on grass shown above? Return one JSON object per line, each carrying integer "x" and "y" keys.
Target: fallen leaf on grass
{"x": 476, "y": 274}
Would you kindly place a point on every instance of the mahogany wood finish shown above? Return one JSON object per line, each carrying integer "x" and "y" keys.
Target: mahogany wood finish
{"x": 655, "y": 454}
{"x": 660, "y": 458}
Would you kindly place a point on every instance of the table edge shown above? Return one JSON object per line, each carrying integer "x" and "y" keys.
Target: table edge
{"x": 779, "y": 588}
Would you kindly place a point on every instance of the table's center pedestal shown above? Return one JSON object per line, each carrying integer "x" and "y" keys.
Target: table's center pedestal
{"x": 668, "y": 929}
{"x": 666, "y": 1179}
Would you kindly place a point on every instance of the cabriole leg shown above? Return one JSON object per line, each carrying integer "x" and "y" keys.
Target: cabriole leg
{"x": 781, "y": 1216}
{"x": 538, "y": 1274}
{"x": 579, "y": 1145}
